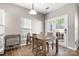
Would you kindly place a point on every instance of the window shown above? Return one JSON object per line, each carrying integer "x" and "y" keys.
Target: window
{"x": 25, "y": 28}
{"x": 26, "y": 23}
{"x": 2, "y": 30}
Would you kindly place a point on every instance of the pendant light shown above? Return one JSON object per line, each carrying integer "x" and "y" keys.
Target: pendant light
{"x": 32, "y": 11}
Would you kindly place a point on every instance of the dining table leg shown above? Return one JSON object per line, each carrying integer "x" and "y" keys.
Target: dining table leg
{"x": 47, "y": 44}
{"x": 44, "y": 48}
{"x": 57, "y": 48}
{"x": 52, "y": 45}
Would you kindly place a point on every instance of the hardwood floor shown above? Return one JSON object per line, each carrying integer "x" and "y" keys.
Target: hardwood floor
{"x": 27, "y": 51}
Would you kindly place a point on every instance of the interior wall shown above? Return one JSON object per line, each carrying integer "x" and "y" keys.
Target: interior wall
{"x": 70, "y": 10}
{"x": 78, "y": 26}
{"x": 13, "y": 14}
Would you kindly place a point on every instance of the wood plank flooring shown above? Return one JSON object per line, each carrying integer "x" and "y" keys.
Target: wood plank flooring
{"x": 27, "y": 51}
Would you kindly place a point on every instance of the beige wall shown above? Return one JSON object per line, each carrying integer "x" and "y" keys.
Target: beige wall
{"x": 13, "y": 14}
{"x": 70, "y": 10}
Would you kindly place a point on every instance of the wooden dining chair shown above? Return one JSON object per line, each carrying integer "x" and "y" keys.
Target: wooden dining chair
{"x": 41, "y": 47}
{"x": 34, "y": 41}
{"x": 28, "y": 40}
{"x": 50, "y": 35}
{"x": 38, "y": 47}
{"x": 41, "y": 33}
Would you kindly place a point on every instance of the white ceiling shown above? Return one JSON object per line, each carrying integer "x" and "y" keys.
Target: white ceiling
{"x": 41, "y": 7}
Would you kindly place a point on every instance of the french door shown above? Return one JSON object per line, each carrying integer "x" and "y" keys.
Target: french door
{"x": 59, "y": 24}
{"x": 64, "y": 26}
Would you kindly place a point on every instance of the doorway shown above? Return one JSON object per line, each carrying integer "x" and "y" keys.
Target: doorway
{"x": 59, "y": 24}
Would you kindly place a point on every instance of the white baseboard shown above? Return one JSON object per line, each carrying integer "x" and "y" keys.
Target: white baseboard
{"x": 22, "y": 44}
{"x": 72, "y": 48}
{"x": 1, "y": 51}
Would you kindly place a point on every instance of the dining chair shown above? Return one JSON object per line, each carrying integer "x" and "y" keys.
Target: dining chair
{"x": 38, "y": 47}
{"x": 34, "y": 41}
{"x": 28, "y": 40}
{"x": 41, "y": 33}
{"x": 47, "y": 44}
{"x": 50, "y": 35}
{"x": 34, "y": 44}
{"x": 41, "y": 47}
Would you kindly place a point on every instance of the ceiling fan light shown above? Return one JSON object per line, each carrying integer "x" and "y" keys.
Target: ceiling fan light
{"x": 32, "y": 12}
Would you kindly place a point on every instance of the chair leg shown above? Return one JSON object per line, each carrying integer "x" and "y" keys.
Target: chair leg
{"x": 44, "y": 48}
{"x": 30, "y": 43}
{"x": 47, "y": 47}
{"x": 52, "y": 46}
{"x": 27, "y": 43}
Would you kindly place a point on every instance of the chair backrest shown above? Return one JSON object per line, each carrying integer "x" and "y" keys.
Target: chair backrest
{"x": 34, "y": 38}
{"x": 34, "y": 35}
{"x": 58, "y": 34}
{"x": 28, "y": 36}
{"x": 37, "y": 43}
{"x": 40, "y": 34}
{"x": 50, "y": 34}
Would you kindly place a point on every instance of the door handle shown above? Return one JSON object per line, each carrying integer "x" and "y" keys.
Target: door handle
{"x": 65, "y": 30}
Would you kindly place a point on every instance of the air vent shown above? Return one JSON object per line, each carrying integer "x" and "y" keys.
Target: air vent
{"x": 47, "y": 8}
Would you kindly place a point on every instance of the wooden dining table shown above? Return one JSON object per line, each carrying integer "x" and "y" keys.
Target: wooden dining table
{"x": 47, "y": 38}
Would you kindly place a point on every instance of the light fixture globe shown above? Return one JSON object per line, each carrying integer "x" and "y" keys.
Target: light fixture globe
{"x": 32, "y": 12}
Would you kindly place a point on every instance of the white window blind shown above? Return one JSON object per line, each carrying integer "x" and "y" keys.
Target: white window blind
{"x": 26, "y": 23}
